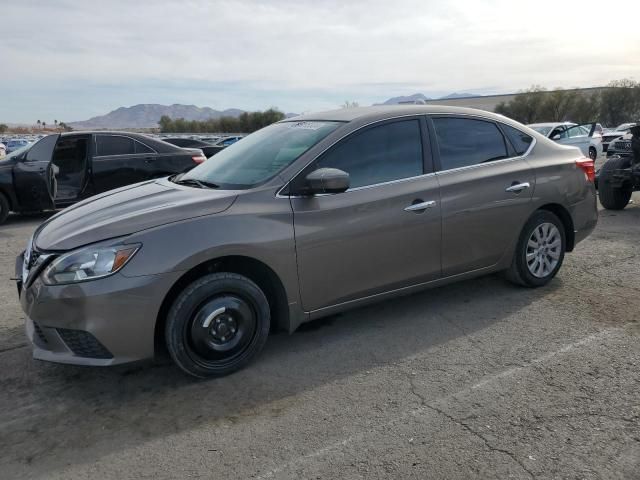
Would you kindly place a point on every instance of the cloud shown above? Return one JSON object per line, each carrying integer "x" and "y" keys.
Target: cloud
{"x": 299, "y": 55}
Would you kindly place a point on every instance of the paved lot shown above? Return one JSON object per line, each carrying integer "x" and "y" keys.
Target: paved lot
{"x": 475, "y": 380}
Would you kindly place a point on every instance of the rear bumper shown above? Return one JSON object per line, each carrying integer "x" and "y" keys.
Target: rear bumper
{"x": 108, "y": 321}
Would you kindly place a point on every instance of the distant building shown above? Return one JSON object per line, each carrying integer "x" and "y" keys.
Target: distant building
{"x": 489, "y": 102}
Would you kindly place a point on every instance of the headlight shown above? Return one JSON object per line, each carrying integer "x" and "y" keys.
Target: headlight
{"x": 88, "y": 264}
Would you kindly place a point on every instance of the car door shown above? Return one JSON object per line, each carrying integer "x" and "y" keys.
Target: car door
{"x": 383, "y": 233}
{"x": 34, "y": 176}
{"x": 579, "y": 136}
{"x": 115, "y": 162}
{"x": 486, "y": 187}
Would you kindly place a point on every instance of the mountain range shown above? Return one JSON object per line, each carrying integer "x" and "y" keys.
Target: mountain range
{"x": 147, "y": 115}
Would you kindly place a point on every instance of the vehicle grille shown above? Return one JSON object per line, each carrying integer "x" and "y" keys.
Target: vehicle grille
{"x": 83, "y": 344}
{"x": 622, "y": 145}
{"x": 40, "y": 333}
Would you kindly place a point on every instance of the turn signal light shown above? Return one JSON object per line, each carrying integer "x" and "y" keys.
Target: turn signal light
{"x": 588, "y": 167}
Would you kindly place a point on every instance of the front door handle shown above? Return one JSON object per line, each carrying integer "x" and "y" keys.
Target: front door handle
{"x": 417, "y": 207}
{"x": 518, "y": 187}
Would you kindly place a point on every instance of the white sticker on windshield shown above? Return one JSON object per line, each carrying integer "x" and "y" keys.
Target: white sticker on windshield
{"x": 307, "y": 125}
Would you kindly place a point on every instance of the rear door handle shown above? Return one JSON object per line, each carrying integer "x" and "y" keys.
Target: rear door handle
{"x": 518, "y": 187}
{"x": 416, "y": 207}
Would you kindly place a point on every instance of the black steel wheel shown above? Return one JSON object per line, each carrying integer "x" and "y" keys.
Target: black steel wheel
{"x": 217, "y": 325}
{"x": 593, "y": 153}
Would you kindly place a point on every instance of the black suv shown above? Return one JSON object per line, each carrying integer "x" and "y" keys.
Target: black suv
{"x": 62, "y": 169}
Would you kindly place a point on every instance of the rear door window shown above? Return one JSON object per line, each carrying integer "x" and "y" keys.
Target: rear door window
{"x": 391, "y": 151}
{"x": 107, "y": 145}
{"x": 463, "y": 142}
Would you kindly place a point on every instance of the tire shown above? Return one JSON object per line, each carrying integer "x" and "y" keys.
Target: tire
{"x": 613, "y": 198}
{"x": 5, "y": 208}
{"x": 529, "y": 271}
{"x": 593, "y": 153}
{"x": 217, "y": 325}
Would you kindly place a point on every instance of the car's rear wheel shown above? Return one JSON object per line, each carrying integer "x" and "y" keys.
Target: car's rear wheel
{"x": 217, "y": 324}
{"x": 4, "y": 208}
{"x": 593, "y": 153}
{"x": 613, "y": 197}
{"x": 539, "y": 252}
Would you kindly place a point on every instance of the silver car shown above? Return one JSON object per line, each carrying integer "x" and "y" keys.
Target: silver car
{"x": 305, "y": 218}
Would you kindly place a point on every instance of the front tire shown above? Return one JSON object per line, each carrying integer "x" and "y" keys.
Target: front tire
{"x": 540, "y": 251}
{"x": 613, "y": 198}
{"x": 217, "y": 325}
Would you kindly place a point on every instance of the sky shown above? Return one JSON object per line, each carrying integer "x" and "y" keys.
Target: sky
{"x": 73, "y": 59}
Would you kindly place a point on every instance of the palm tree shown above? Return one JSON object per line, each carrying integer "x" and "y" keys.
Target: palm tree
{"x": 39, "y": 122}
{"x": 56, "y": 123}
{"x": 44, "y": 125}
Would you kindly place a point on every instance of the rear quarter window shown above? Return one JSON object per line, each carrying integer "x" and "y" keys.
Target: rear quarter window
{"x": 520, "y": 141}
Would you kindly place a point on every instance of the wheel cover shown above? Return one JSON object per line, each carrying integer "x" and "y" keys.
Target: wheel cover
{"x": 220, "y": 330}
{"x": 543, "y": 250}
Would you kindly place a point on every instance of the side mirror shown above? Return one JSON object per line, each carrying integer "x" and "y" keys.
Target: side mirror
{"x": 556, "y": 137}
{"x": 326, "y": 180}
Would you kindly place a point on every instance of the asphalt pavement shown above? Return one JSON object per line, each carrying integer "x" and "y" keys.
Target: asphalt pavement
{"x": 479, "y": 379}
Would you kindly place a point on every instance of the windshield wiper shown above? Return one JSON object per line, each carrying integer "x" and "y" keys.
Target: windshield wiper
{"x": 197, "y": 183}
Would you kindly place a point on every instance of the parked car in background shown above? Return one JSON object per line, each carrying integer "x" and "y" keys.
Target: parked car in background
{"x": 62, "y": 169}
{"x": 621, "y": 146}
{"x": 3, "y": 150}
{"x": 15, "y": 144}
{"x": 582, "y": 136}
{"x": 305, "y": 218}
{"x": 207, "y": 148}
{"x": 611, "y": 136}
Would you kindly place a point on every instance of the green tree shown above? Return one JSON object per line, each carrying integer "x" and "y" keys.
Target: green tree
{"x": 3, "y": 127}
{"x": 38, "y": 122}
{"x": 557, "y": 105}
{"x": 620, "y": 102}
{"x": 526, "y": 106}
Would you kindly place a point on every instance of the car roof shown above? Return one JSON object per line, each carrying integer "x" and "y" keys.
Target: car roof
{"x": 549, "y": 124}
{"x": 157, "y": 144}
{"x": 380, "y": 112}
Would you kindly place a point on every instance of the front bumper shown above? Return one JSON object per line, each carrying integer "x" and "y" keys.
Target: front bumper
{"x": 106, "y": 321}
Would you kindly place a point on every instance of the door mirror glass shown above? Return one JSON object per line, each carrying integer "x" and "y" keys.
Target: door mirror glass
{"x": 326, "y": 180}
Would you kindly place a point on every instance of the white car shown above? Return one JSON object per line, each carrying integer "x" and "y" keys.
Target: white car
{"x": 582, "y": 136}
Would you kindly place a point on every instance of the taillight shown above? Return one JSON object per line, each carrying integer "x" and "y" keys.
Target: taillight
{"x": 588, "y": 167}
{"x": 198, "y": 158}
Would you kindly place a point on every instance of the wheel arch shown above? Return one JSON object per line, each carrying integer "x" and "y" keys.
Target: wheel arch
{"x": 257, "y": 271}
{"x": 567, "y": 222}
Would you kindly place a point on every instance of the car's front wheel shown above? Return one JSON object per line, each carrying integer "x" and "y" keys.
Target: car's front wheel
{"x": 539, "y": 252}
{"x": 217, "y": 324}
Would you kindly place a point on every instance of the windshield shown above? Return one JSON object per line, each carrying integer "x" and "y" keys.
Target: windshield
{"x": 261, "y": 155}
{"x": 543, "y": 130}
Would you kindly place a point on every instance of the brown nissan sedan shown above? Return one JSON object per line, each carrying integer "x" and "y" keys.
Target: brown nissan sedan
{"x": 305, "y": 218}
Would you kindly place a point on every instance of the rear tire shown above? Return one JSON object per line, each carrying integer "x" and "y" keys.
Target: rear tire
{"x": 613, "y": 198}
{"x": 539, "y": 252}
{"x": 593, "y": 153}
{"x": 217, "y": 325}
{"x": 4, "y": 208}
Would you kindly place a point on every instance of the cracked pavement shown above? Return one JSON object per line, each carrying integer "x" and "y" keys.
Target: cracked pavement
{"x": 479, "y": 379}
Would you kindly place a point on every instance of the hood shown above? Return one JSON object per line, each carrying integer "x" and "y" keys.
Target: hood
{"x": 128, "y": 210}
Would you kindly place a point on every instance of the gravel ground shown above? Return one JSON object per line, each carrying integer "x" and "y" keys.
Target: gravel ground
{"x": 475, "y": 380}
